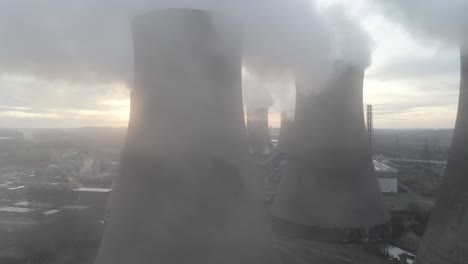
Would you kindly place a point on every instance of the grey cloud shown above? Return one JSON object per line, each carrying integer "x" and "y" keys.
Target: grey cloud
{"x": 88, "y": 42}
{"x": 441, "y": 21}
{"x": 42, "y": 96}
{"x": 71, "y": 40}
{"x": 444, "y": 96}
{"x": 447, "y": 63}
{"x": 351, "y": 43}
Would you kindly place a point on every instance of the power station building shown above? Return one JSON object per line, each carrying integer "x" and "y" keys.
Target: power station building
{"x": 387, "y": 177}
{"x": 185, "y": 193}
{"x": 329, "y": 181}
{"x": 445, "y": 240}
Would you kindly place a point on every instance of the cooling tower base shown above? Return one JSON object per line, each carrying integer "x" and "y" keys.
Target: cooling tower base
{"x": 365, "y": 234}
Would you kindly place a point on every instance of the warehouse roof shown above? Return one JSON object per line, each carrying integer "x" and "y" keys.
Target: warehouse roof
{"x": 381, "y": 167}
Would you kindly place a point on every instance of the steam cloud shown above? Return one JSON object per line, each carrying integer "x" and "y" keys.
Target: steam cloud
{"x": 90, "y": 41}
{"x": 441, "y": 21}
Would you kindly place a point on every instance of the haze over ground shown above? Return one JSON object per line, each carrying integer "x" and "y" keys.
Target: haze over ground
{"x": 412, "y": 82}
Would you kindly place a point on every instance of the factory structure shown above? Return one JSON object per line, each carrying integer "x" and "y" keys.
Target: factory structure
{"x": 200, "y": 182}
{"x": 329, "y": 181}
{"x": 386, "y": 173}
{"x": 190, "y": 152}
{"x": 446, "y": 238}
{"x": 186, "y": 182}
{"x": 387, "y": 176}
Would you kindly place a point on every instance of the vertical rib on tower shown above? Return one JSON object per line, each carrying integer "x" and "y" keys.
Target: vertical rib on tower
{"x": 446, "y": 238}
{"x": 329, "y": 180}
{"x": 183, "y": 195}
{"x": 258, "y": 131}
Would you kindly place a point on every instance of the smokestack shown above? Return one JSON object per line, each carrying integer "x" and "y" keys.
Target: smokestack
{"x": 258, "y": 131}
{"x": 329, "y": 179}
{"x": 183, "y": 194}
{"x": 446, "y": 238}
{"x": 285, "y": 134}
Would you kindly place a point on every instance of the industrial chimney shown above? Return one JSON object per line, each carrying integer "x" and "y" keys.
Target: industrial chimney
{"x": 286, "y": 133}
{"x": 446, "y": 238}
{"x": 184, "y": 193}
{"x": 258, "y": 132}
{"x": 329, "y": 180}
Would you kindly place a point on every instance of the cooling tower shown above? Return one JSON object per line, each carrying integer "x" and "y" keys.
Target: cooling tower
{"x": 329, "y": 180}
{"x": 258, "y": 132}
{"x": 446, "y": 238}
{"x": 183, "y": 193}
{"x": 286, "y": 133}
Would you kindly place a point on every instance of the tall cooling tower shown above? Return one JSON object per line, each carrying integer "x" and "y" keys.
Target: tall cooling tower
{"x": 446, "y": 238}
{"x": 329, "y": 180}
{"x": 286, "y": 133}
{"x": 258, "y": 132}
{"x": 183, "y": 194}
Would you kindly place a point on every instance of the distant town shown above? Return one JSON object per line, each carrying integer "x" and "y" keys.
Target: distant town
{"x": 55, "y": 184}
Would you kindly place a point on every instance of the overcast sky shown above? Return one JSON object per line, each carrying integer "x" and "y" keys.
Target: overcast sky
{"x": 49, "y": 55}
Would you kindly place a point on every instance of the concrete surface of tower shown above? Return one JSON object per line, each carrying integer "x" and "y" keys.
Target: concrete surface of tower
{"x": 445, "y": 240}
{"x": 184, "y": 194}
{"x": 329, "y": 180}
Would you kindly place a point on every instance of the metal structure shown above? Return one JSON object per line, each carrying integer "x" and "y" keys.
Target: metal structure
{"x": 286, "y": 133}
{"x": 258, "y": 132}
{"x": 446, "y": 238}
{"x": 185, "y": 193}
{"x": 330, "y": 180}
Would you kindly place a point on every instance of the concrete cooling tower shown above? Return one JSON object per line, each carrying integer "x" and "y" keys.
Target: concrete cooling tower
{"x": 258, "y": 132}
{"x": 286, "y": 133}
{"x": 184, "y": 193}
{"x": 446, "y": 238}
{"x": 329, "y": 180}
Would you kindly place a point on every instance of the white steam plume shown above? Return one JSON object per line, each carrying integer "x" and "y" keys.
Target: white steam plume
{"x": 90, "y": 41}
{"x": 444, "y": 22}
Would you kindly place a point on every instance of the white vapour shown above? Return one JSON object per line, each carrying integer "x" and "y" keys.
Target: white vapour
{"x": 90, "y": 41}
{"x": 444, "y": 22}
{"x": 255, "y": 92}
{"x": 351, "y": 43}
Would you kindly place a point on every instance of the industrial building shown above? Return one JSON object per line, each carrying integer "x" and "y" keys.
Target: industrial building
{"x": 329, "y": 180}
{"x": 387, "y": 177}
{"x": 186, "y": 191}
{"x": 445, "y": 240}
{"x": 92, "y": 196}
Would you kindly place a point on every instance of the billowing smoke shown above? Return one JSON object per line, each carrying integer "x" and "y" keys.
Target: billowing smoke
{"x": 90, "y": 41}
{"x": 443, "y": 22}
{"x": 255, "y": 91}
{"x": 351, "y": 43}
{"x": 284, "y": 98}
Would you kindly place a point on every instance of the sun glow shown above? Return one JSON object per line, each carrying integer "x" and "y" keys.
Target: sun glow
{"x": 119, "y": 108}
